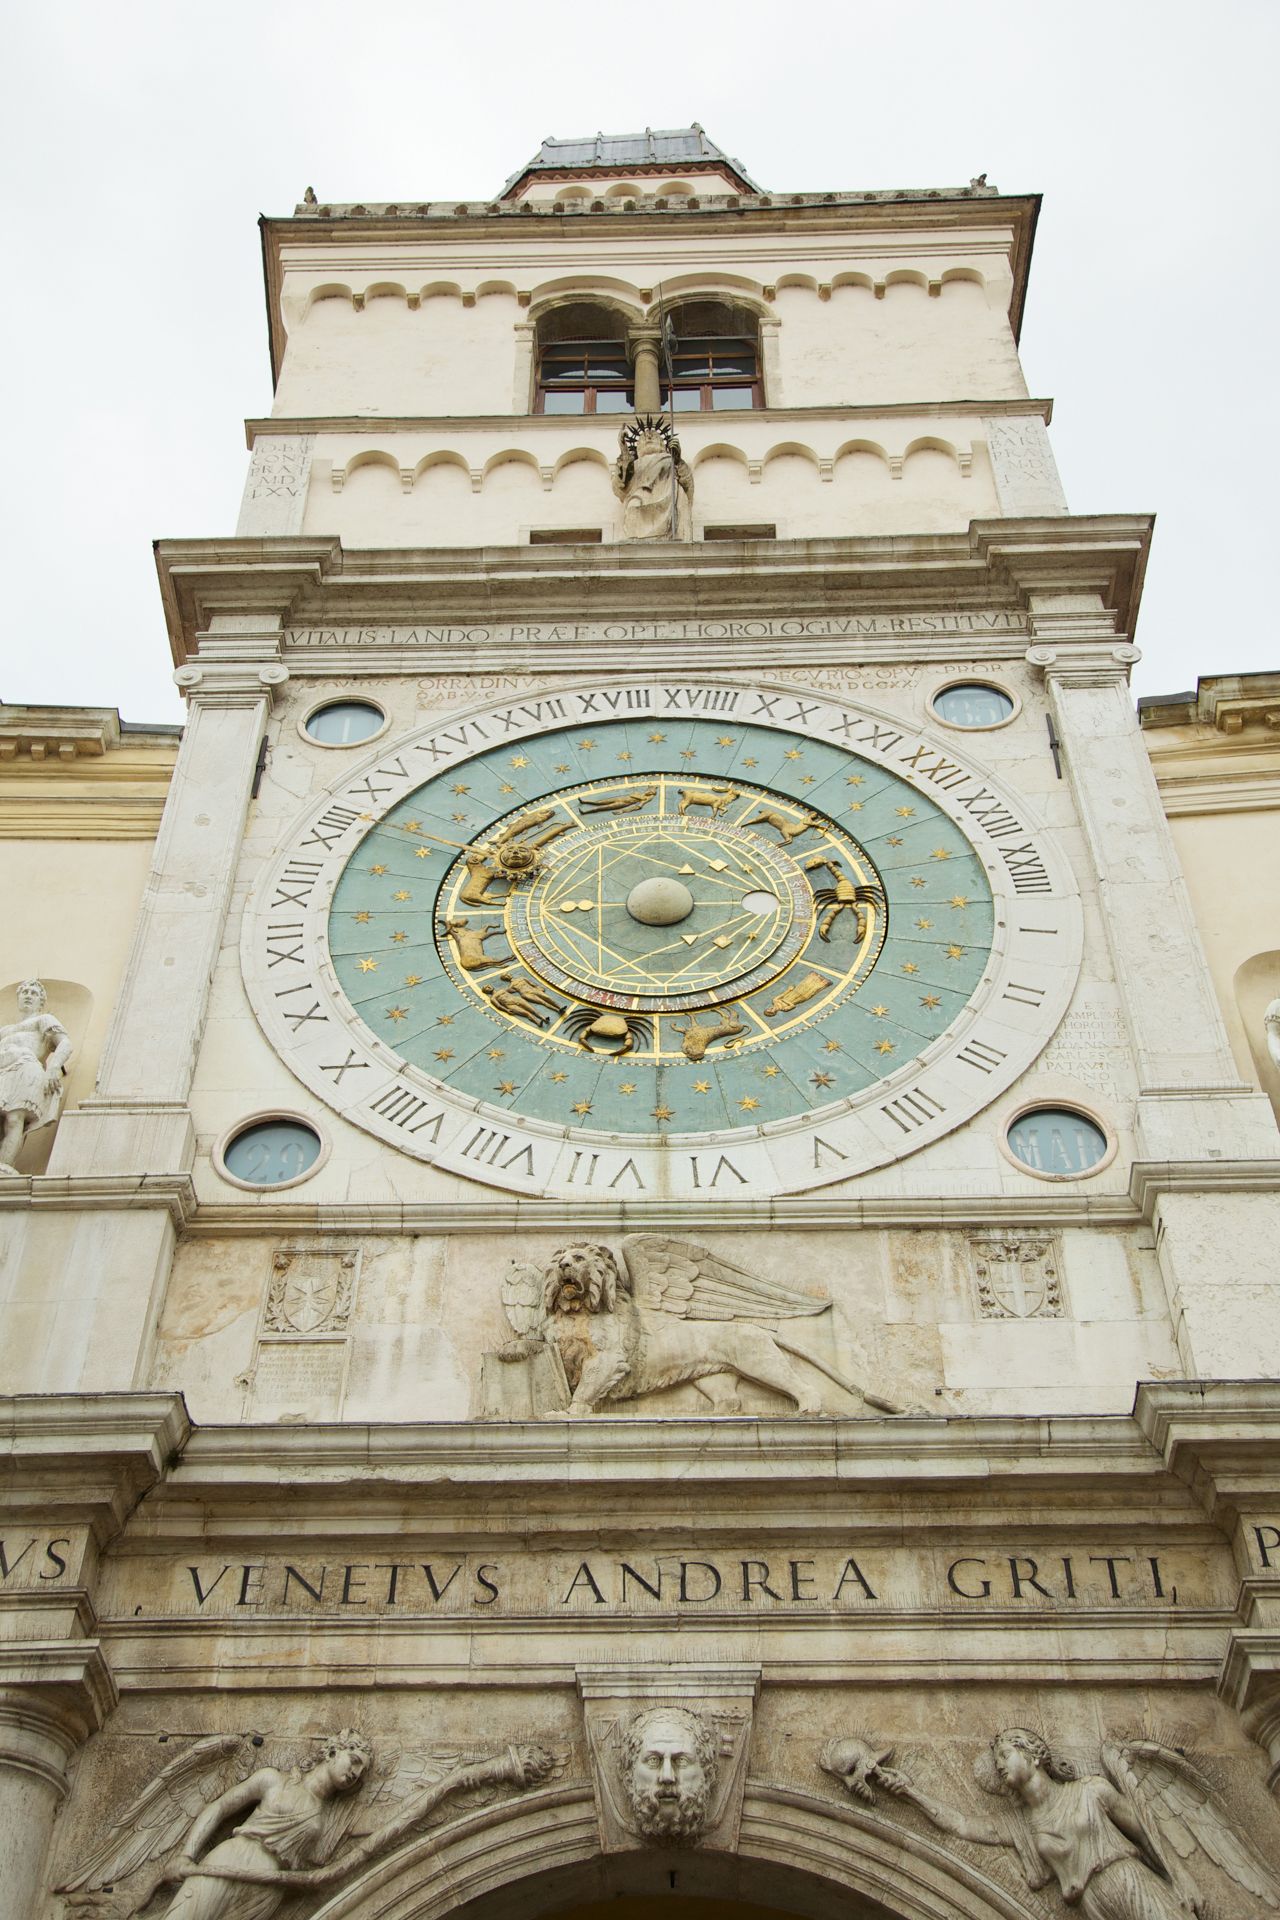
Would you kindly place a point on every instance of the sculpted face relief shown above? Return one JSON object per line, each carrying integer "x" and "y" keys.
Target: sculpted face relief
{"x": 669, "y": 1769}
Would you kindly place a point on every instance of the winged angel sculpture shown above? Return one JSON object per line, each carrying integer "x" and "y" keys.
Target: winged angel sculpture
{"x": 238, "y": 1836}
{"x": 661, "y": 1313}
{"x": 1131, "y": 1843}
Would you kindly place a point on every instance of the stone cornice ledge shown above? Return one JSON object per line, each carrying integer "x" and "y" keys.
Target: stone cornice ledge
{"x": 102, "y": 1193}
{"x": 1221, "y": 1437}
{"x": 453, "y": 1459}
{"x": 87, "y": 1456}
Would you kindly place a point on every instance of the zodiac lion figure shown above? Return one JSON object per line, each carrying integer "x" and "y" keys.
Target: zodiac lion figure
{"x": 291, "y": 1822}
{"x": 662, "y": 1313}
{"x": 1130, "y": 1843}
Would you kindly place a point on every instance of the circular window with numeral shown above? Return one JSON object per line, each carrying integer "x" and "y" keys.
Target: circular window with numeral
{"x": 1059, "y": 1143}
{"x": 271, "y": 1150}
{"x": 643, "y": 934}
{"x": 973, "y": 705}
{"x": 343, "y": 723}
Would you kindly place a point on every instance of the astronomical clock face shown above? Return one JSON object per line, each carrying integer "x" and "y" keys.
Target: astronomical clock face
{"x": 664, "y": 939}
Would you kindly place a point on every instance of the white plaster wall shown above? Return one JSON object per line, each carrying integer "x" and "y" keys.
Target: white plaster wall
{"x": 443, "y": 358}
{"x": 857, "y": 350}
{"x": 79, "y": 900}
{"x": 1232, "y": 866}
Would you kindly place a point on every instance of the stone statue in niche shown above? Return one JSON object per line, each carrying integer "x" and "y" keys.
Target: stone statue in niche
{"x": 291, "y": 1823}
{"x": 653, "y": 481}
{"x": 1132, "y": 1843}
{"x": 668, "y": 1771}
{"x": 34, "y": 1051}
{"x": 1271, "y": 1027}
{"x": 609, "y": 1327}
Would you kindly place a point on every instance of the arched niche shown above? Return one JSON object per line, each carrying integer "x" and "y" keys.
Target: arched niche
{"x": 1257, "y": 984}
{"x": 537, "y": 1857}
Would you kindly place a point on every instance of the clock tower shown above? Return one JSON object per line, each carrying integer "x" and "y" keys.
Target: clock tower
{"x": 667, "y": 1207}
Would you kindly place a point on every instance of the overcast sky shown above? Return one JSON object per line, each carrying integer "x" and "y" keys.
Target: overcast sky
{"x": 145, "y": 139}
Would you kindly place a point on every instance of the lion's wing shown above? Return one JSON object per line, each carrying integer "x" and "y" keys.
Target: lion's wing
{"x": 1176, "y": 1800}
{"x": 682, "y": 1278}
{"x": 159, "y": 1819}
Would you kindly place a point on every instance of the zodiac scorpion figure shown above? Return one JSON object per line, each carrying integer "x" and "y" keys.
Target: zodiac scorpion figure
{"x": 844, "y": 897}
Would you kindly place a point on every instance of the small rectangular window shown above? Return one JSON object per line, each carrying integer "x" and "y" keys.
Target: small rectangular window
{"x": 564, "y": 536}
{"x": 756, "y": 531}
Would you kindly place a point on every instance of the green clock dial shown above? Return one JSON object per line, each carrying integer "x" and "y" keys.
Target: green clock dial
{"x": 711, "y": 929}
{"x": 656, "y": 939}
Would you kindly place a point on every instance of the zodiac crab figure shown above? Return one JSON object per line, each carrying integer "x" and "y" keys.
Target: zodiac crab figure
{"x": 845, "y": 896}
{"x": 292, "y": 1820}
{"x": 658, "y": 1314}
{"x": 588, "y": 1024}
{"x": 1131, "y": 1843}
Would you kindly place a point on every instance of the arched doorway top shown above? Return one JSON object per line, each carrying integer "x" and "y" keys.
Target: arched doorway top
{"x": 539, "y": 1855}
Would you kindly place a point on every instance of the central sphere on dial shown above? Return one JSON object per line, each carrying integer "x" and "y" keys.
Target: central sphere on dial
{"x": 659, "y": 901}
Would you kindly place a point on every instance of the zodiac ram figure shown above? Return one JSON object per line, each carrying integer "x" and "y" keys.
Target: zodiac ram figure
{"x": 661, "y": 1313}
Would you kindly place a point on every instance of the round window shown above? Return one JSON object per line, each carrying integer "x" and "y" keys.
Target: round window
{"x": 971, "y": 704}
{"x": 344, "y": 723}
{"x": 1057, "y": 1140}
{"x": 272, "y": 1153}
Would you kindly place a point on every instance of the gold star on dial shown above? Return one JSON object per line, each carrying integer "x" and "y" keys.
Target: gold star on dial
{"x": 749, "y": 1103}
{"x": 688, "y": 753}
{"x": 725, "y": 740}
{"x": 771, "y": 1072}
{"x": 505, "y": 1086}
{"x": 808, "y": 779}
{"x": 957, "y": 900}
{"x": 940, "y": 853}
{"x": 402, "y": 895}
{"x": 413, "y": 826}
{"x": 423, "y": 853}
{"x": 702, "y": 1086}
{"x": 751, "y": 763}
{"x": 909, "y": 966}
{"x": 399, "y": 938}
{"x": 855, "y": 806}
{"x": 955, "y": 953}
{"x": 581, "y": 1108}
{"x": 794, "y": 753}
{"x": 904, "y": 813}
{"x": 559, "y": 1078}
{"x": 822, "y": 1079}
{"x": 413, "y": 979}
{"x": 460, "y": 786}
{"x": 628, "y": 1086}
{"x": 496, "y": 1053}
{"x": 831, "y": 1046}
{"x": 397, "y": 1013}
{"x": 662, "y": 1113}
{"x": 855, "y": 780}
{"x": 624, "y": 756}
{"x": 444, "y": 1053}
{"x": 884, "y": 1046}
{"x": 880, "y": 1012}
{"x": 930, "y": 1000}
{"x": 519, "y": 760}
{"x": 377, "y": 869}
{"x": 369, "y": 965}
{"x": 562, "y": 766}
{"x": 895, "y": 839}
{"x": 445, "y": 1019}
{"x": 917, "y": 879}
{"x": 506, "y": 787}
{"x": 361, "y": 918}
{"x": 585, "y": 746}
{"x": 924, "y": 925}
{"x": 657, "y": 739}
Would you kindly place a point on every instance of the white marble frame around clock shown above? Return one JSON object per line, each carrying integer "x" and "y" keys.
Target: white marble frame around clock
{"x": 1012, "y": 1014}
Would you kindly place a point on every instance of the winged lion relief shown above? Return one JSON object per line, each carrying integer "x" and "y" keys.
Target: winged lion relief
{"x": 594, "y": 1328}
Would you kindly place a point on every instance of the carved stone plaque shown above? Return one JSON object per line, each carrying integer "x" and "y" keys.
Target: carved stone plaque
{"x": 1018, "y": 1277}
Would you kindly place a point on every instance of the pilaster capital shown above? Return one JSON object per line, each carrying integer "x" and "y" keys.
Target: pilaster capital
{"x": 231, "y": 683}
{"x": 53, "y": 1695}
{"x": 1101, "y": 662}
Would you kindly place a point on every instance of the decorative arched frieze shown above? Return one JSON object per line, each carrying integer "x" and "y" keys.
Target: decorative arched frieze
{"x": 575, "y": 456}
{"x": 541, "y": 1852}
{"x": 619, "y": 296}
{"x": 931, "y": 443}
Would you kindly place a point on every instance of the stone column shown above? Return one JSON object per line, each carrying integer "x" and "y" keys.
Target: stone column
{"x": 41, "y": 1727}
{"x": 643, "y": 345}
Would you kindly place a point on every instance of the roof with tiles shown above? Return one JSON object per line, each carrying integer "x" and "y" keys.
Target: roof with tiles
{"x": 656, "y": 147}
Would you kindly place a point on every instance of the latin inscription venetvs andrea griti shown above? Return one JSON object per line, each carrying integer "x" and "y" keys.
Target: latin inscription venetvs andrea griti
{"x": 915, "y": 941}
{"x": 1139, "y": 1575}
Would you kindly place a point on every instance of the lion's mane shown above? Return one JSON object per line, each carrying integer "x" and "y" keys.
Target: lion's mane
{"x": 586, "y": 1271}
